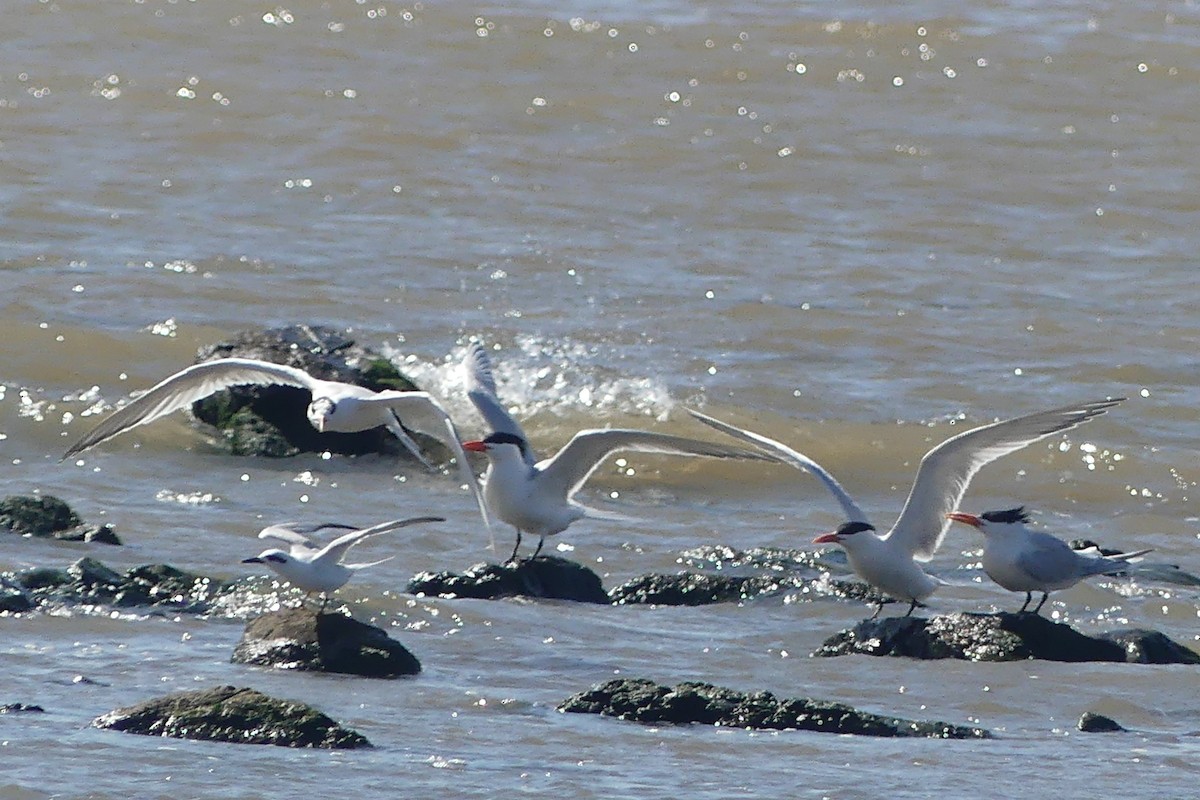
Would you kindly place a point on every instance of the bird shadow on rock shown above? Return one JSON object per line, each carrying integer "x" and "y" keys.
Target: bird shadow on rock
{"x": 1002, "y": 636}
{"x": 305, "y": 639}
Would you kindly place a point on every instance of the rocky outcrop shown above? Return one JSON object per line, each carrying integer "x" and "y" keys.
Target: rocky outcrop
{"x": 547, "y": 577}
{"x": 272, "y": 421}
{"x": 1002, "y": 637}
{"x": 229, "y": 714}
{"x": 1098, "y": 723}
{"x": 696, "y": 589}
{"x": 89, "y": 582}
{"x": 303, "y": 639}
{"x": 641, "y": 700}
{"x": 47, "y": 516}
{"x": 21, "y": 708}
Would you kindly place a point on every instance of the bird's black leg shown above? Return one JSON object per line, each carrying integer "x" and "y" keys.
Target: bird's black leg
{"x": 1042, "y": 603}
{"x": 878, "y": 608}
{"x": 1025, "y": 605}
{"x": 541, "y": 542}
{"x": 516, "y": 547}
{"x": 911, "y": 607}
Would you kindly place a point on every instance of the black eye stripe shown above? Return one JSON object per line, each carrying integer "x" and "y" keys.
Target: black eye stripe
{"x": 1007, "y": 516}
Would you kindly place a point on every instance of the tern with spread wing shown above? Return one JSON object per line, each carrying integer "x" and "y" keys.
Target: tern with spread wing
{"x": 535, "y": 496}
{"x": 1024, "y": 560}
{"x": 889, "y": 562}
{"x": 335, "y": 407}
{"x": 314, "y": 568}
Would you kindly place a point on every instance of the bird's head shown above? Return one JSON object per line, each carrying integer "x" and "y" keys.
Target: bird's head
{"x": 320, "y": 411}
{"x": 845, "y": 533}
{"x": 993, "y": 521}
{"x": 272, "y": 558}
{"x": 499, "y": 444}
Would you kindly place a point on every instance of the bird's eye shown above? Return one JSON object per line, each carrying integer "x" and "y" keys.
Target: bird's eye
{"x": 276, "y": 557}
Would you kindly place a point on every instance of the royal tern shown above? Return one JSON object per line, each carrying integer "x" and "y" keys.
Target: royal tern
{"x": 314, "y": 568}
{"x": 535, "y": 496}
{"x": 1023, "y": 560}
{"x": 889, "y": 562}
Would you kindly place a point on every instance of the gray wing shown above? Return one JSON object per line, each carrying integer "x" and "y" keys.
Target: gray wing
{"x": 481, "y": 388}
{"x": 186, "y": 387}
{"x": 295, "y": 535}
{"x": 572, "y": 465}
{"x": 793, "y": 457}
{"x": 1049, "y": 560}
{"x": 338, "y": 547}
{"x": 947, "y": 469}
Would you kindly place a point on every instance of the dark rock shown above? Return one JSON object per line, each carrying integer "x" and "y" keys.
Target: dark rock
{"x": 21, "y": 708}
{"x": 49, "y": 517}
{"x": 1098, "y": 723}
{"x": 543, "y": 577}
{"x": 696, "y": 589}
{"x": 272, "y": 420}
{"x": 89, "y": 582}
{"x": 303, "y": 639}
{"x": 13, "y": 599}
{"x": 229, "y": 714}
{"x": 996, "y": 637}
{"x": 1151, "y": 647}
{"x": 641, "y": 700}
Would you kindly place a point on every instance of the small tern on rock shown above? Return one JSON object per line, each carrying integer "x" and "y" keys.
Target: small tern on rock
{"x": 314, "y": 568}
{"x": 535, "y": 496}
{"x": 889, "y": 562}
{"x": 1023, "y": 560}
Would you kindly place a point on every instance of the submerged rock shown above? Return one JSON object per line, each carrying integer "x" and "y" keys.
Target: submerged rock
{"x": 1098, "y": 723}
{"x": 272, "y": 421}
{"x": 303, "y": 639}
{"x": 21, "y": 708}
{"x": 1001, "y": 637}
{"x": 642, "y": 700}
{"x": 548, "y": 577}
{"x": 230, "y": 714}
{"x": 89, "y": 582}
{"x": 49, "y": 517}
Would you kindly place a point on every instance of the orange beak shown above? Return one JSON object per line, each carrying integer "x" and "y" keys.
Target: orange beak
{"x": 827, "y": 538}
{"x": 969, "y": 519}
{"x": 476, "y": 446}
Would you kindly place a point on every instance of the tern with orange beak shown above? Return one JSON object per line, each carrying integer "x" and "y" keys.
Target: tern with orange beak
{"x": 889, "y": 562}
{"x": 1024, "y": 560}
{"x": 536, "y": 496}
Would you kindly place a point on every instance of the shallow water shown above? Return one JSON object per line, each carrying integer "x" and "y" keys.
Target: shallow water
{"x": 856, "y": 229}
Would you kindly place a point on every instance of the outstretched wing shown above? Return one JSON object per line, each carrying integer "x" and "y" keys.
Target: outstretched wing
{"x": 481, "y": 388}
{"x": 572, "y": 465}
{"x": 296, "y": 535}
{"x": 186, "y": 387}
{"x": 334, "y": 551}
{"x": 422, "y": 413}
{"x": 793, "y": 457}
{"x": 947, "y": 469}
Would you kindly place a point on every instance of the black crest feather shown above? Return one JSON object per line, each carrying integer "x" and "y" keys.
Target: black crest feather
{"x": 1008, "y": 516}
{"x": 847, "y": 528}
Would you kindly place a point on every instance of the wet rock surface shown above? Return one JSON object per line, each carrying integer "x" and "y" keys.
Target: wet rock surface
{"x": 695, "y": 589}
{"x": 21, "y": 708}
{"x": 90, "y": 582}
{"x": 303, "y": 639}
{"x": 271, "y": 420}
{"x": 49, "y": 517}
{"x": 1098, "y": 723}
{"x": 1001, "y": 637}
{"x": 230, "y": 714}
{"x": 642, "y": 700}
{"x": 547, "y": 577}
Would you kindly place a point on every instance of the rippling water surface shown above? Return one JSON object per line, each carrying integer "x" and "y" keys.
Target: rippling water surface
{"x": 858, "y": 229}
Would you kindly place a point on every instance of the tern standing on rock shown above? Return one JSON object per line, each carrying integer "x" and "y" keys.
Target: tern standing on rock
{"x": 535, "y": 496}
{"x": 889, "y": 562}
{"x": 1023, "y": 560}
{"x": 313, "y": 568}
